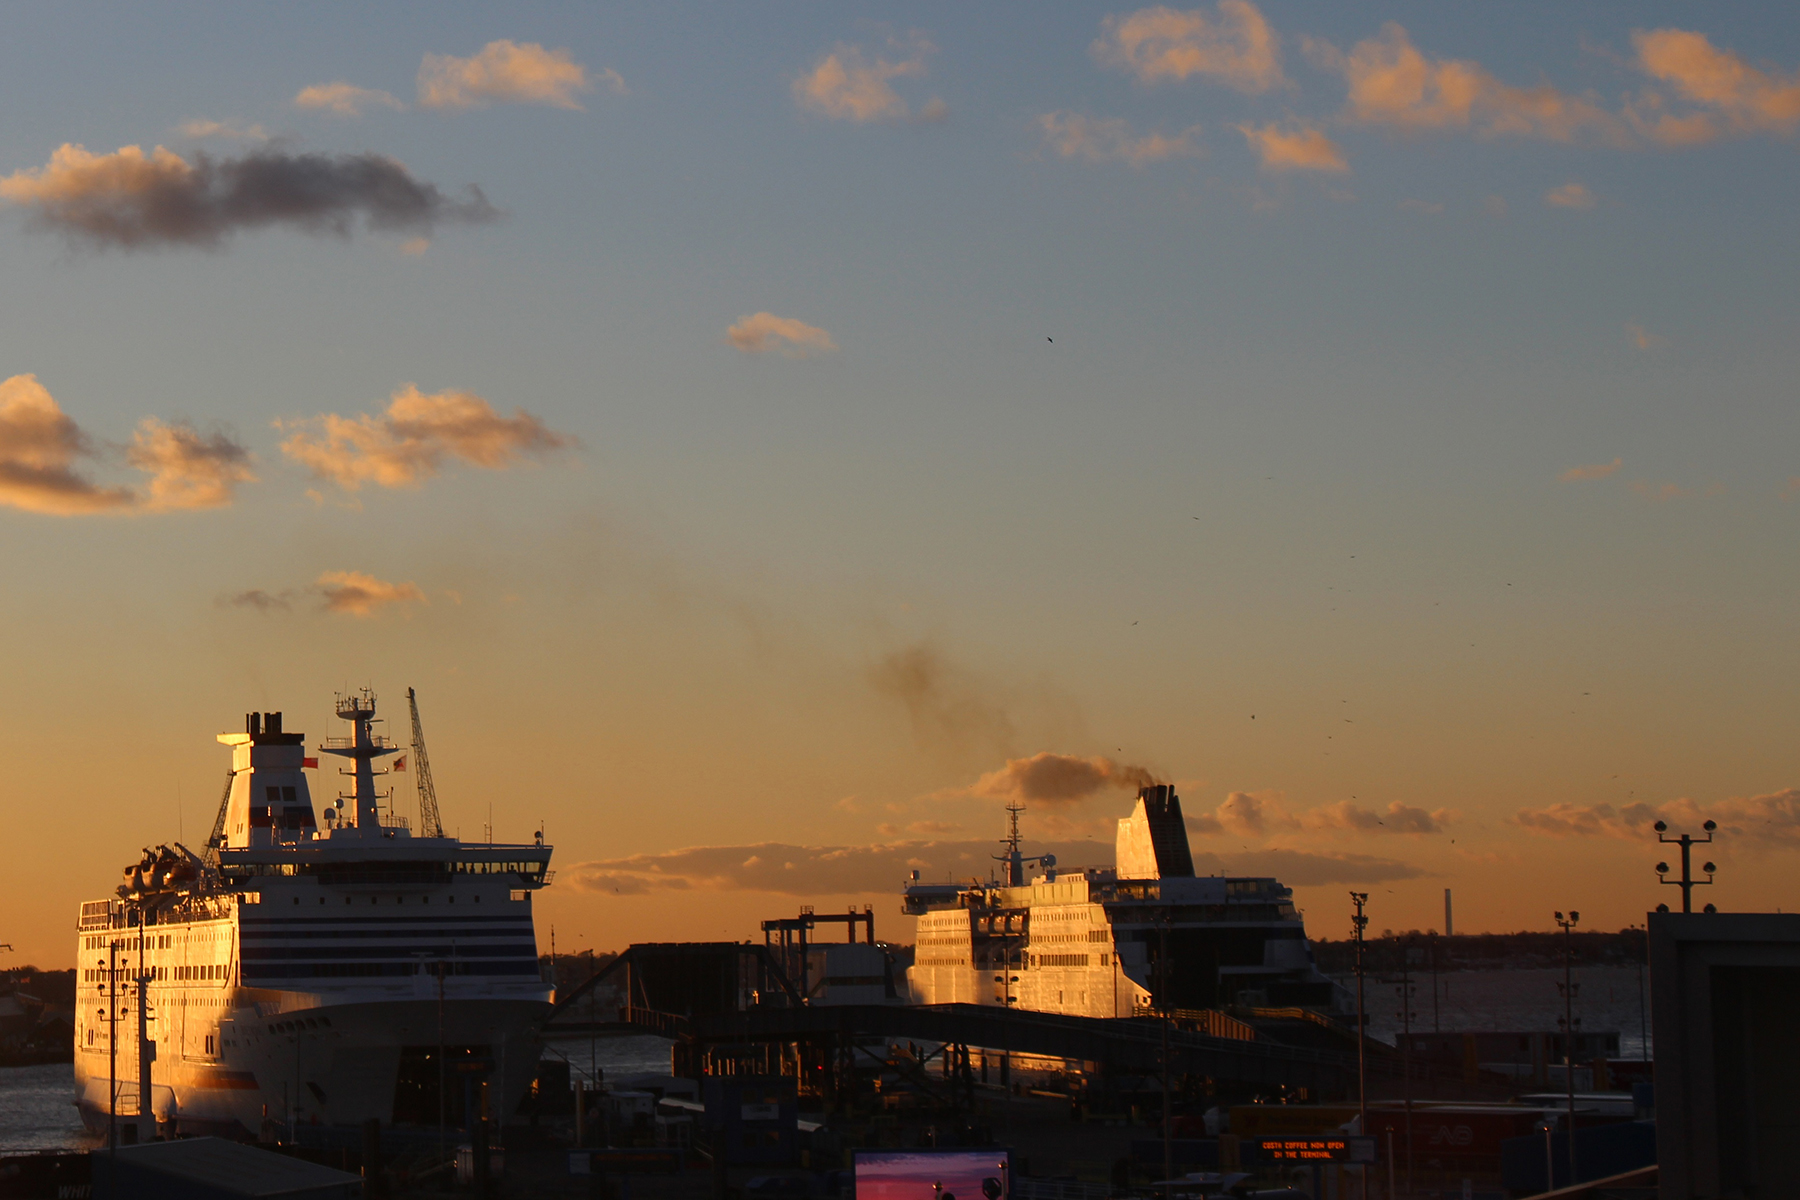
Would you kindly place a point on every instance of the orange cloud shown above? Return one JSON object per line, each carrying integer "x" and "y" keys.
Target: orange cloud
{"x": 1591, "y": 471}
{"x": 1734, "y": 96}
{"x": 1058, "y": 777}
{"x": 1396, "y": 818}
{"x": 1075, "y": 136}
{"x": 1570, "y": 195}
{"x": 75, "y": 175}
{"x": 1655, "y": 492}
{"x": 1250, "y": 814}
{"x": 761, "y": 332}
{"x": 360, "y": 595}
{"x": 39, "y": 446}
{"x": 1392, "y": 83}
{"x": 344, "y": 99}
{"x": 1770, "y": 818}
{"x": 417, "y": 435}
{"x": 1243, "y": 813}
{"x": 203, "y": 128}
{"x": 505, "y": 72}
{"x": 189, "y": 470}
{"x": 1237, "y": 48}
{"x": 1302, "y": 148}
{"x": 1642, "y": 338}
{"x": 846, "y": 86}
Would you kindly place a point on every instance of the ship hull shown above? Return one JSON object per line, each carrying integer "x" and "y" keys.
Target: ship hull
{"x": 336, "y": 1064}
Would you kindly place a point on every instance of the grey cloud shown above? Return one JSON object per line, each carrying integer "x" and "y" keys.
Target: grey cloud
{"x": 134, "y": 201}
{"x": 258, "y": 599}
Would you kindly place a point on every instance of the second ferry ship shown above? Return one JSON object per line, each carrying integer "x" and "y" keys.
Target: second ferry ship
{"x": 311, "y": 968}
{"x": 1146, "y": 934}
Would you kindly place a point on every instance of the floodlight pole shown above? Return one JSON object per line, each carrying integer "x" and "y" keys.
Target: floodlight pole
{"x": 1358, "y": 924}
{"x": 1163, "y": 998}
{"x": 1406, "y": 1016}
{"x": 1687, "y": 883}
{"x": 1568, "y": 927}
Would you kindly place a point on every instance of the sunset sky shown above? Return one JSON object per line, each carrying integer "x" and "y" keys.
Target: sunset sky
{"x": 772, "y": 437}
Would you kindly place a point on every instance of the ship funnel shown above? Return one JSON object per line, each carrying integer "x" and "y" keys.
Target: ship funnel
{"x": 1153, "y": 841}
{"x": 267, "y": 802}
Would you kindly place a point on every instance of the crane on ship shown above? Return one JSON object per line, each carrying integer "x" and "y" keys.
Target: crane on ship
{"x": 430, "y": 824}
{"x": 210, "y": 853}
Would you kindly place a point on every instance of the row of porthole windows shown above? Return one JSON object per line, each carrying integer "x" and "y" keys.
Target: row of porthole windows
{"x": 397, "y": 899}
{"x": 157, "y": 941}
{"x": 182, "y": 973}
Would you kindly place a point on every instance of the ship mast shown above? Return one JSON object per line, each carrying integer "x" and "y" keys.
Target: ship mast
{"x": 1014, "y": 859}
{"x": 430, "y": 824}
{"x": 1015, "y": 862}
{"x": 362, "y": 748}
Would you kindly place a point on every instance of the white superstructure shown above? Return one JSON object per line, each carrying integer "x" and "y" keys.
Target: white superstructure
{"x": 1098, "y": 942}
{"x": 310, "y": 970}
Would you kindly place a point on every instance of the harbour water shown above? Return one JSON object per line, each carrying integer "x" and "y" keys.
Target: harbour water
{"x": 1606, "y": 998}
{"x": 37, "y": 1108}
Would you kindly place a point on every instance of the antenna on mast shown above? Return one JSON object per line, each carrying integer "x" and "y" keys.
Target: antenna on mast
{"x": 1014, "y": 859}
{"x": 429, "y": 823}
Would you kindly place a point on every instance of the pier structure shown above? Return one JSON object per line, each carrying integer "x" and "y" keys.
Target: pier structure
{"x": 731, "y": 1008}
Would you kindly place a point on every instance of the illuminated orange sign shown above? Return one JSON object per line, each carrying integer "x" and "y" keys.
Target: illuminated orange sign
{"x": 1323, "y": 1148}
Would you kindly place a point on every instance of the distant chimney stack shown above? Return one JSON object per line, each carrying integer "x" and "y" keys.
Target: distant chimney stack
{"x": 253, "y": 724}
{"x": 272, "y": 722}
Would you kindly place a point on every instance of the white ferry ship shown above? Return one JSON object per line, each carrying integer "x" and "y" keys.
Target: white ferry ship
{"x": 1116, "y": 942}
{"x": 311, "y": 970}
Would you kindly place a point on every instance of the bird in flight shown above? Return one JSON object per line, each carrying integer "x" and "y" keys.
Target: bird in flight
{"x": 1049, "y": 339}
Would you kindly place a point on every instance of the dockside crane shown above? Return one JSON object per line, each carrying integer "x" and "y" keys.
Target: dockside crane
{"x": 429, "y": 822}
{"x": 210, "y": 854}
